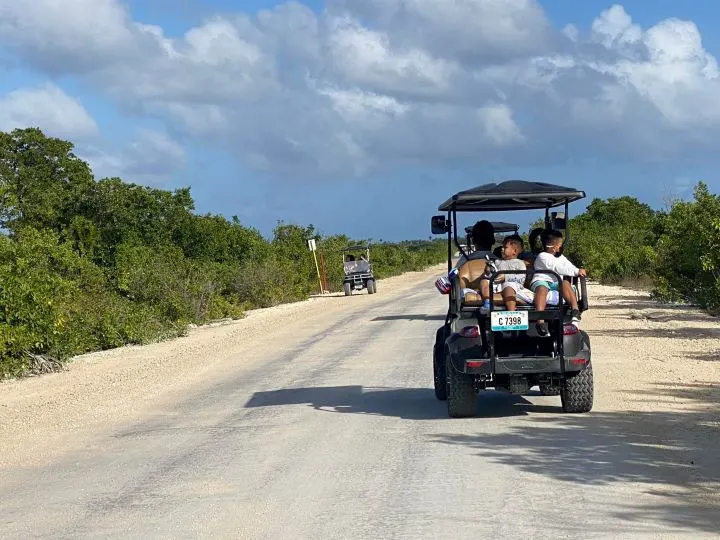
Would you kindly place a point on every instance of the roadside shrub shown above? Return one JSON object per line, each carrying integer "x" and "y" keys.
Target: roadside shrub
{"x": 56, "y": 304}
{"x": 182, "y": 290}
{"x": 688, "y": 267}
{"x": 614, "y": 239}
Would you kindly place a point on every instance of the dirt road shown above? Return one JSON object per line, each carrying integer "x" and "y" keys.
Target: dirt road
{"x": 318, "y": 420}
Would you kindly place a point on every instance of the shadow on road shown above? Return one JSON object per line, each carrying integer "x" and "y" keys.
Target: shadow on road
{"x": 406, "y": 403}
{"x": 672, "y": 455}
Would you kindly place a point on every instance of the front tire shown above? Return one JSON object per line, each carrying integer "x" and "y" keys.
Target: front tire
{"x": 348, "y": 288}
{"x": 439, "y": 367}
{"x": 371, "y": 286}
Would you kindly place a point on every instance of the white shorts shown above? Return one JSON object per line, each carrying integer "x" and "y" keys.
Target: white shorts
{"x": 514, "y": 285}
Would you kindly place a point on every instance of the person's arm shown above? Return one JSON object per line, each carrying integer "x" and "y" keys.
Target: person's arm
{"x": 564, "y": 267}
{"x": 560, "y": 265}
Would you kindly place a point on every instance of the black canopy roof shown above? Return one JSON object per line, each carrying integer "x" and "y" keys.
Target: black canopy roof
{"x": 511, "y": 195}
{"x": 356, "y": 248}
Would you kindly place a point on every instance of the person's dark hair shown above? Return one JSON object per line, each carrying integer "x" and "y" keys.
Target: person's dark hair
{"x": 534, "y": 234}
{"x": 515, "y": 238}
{"x": 548, "y": 236}
{"x": 483, "y": 235}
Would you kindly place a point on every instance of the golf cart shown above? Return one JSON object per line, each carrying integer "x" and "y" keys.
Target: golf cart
{"x": 358, "y": 270}
{"x": 478, "y": 349}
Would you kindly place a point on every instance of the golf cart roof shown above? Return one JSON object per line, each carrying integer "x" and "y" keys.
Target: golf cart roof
{"x": 498, "y": 227}
{"x": 356, "y": 248}
{"x": 511, "y": 195}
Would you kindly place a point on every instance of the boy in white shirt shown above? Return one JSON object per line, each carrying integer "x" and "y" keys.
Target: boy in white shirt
{"x": 541, "y": 284}
{"x": 508, "y": 284}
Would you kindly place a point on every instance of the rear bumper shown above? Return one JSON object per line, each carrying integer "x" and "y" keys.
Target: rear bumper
{"x": 469, "y": 356}
{"x": 519, "y": 366}
{"x": 357, "y": 278}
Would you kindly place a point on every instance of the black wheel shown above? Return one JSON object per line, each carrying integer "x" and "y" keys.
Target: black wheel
{"x": 549, "y": 390}
{"x": 577, "y": 391}
{"x": 439, "y": 373}
{"x": 461, "y": 398}
{"x": 348, "y": 289}
{"x": 370, "y": 286}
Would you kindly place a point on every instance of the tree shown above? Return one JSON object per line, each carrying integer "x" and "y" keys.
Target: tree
{"x": 614, "y": 238}
{"x": 41, "y": 181}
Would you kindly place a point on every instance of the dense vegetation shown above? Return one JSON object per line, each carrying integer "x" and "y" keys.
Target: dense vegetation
{"x": 88, "y": 265}
{"x": 675, "y": 250}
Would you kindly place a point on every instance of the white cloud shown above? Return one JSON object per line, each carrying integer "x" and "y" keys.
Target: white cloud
{"x": 380, "y": 83}
{"x": 70, "y": 36}
{"x": 466, "y": 30}
{"x": 48, "y": 107}
{"x": 366, "y": 57}
{"x": 150, "y": 158}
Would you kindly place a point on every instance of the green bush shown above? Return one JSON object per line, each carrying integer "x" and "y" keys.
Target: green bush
{"x": 88, "y": 265}
{"x": 688, "y": 260}
{"x": 614, "y": 239}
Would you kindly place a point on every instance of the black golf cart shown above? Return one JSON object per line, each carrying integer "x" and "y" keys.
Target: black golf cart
{"x": 358, "y": 270}
{"x": 477, "y": 349}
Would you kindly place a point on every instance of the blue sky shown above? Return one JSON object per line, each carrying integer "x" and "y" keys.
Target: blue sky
{"x": 361, "y": 117}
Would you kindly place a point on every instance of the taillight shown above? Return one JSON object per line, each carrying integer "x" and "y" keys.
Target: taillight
{"x": 470, "y": 331}
{"x": 475, "y": 363}
{"x": 570, "y": 330}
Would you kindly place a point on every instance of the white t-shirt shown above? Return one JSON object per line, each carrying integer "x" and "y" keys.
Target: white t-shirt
{"x": 561, "y": 265}
{"x": 512, "y": 264}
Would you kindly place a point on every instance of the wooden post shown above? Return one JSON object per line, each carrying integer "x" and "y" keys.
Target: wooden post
{"x": 313, "y": 248}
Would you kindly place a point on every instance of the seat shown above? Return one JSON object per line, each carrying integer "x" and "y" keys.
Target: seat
{"x": 469, "y": 277}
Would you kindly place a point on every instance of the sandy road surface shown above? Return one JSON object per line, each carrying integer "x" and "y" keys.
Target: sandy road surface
{"x": 318, "y": 420}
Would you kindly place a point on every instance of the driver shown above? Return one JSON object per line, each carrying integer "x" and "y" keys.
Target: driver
{"x": 483, "y": 238}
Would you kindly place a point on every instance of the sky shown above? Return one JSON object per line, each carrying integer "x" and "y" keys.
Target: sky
{"x": 362, "y": 116}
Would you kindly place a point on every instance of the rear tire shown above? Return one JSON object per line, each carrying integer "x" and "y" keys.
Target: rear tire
{"x": 348, "y": 288}
{"x": 439, "y": 367}
{"x": 577, "y": 391}
{"x": 371, "y": 286}
{"x": 461, "y": 397}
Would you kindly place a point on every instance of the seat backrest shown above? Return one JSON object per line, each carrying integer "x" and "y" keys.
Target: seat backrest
{"x": 529, "y": 265}
{"x": 470, "y": 272}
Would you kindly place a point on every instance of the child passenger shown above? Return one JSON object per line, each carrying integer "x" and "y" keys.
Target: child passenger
{"x": 507, "y": 284}
{"x": 541, "y": 284}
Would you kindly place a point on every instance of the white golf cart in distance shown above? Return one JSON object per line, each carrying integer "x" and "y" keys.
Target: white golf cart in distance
{"x": 358, "y": 270}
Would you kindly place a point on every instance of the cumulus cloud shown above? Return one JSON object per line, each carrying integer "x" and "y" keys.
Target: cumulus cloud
{"x": 149, "y": 158}
{"x": 49, "y": 107}
{"x": 379, "y": 83}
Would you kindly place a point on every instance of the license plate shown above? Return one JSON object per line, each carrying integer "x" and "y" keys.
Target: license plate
{"x": 501, "y": 321}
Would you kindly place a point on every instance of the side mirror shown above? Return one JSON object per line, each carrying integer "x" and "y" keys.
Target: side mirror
{"x": 558, "y": 221}
{"x": 439, "y": 225}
